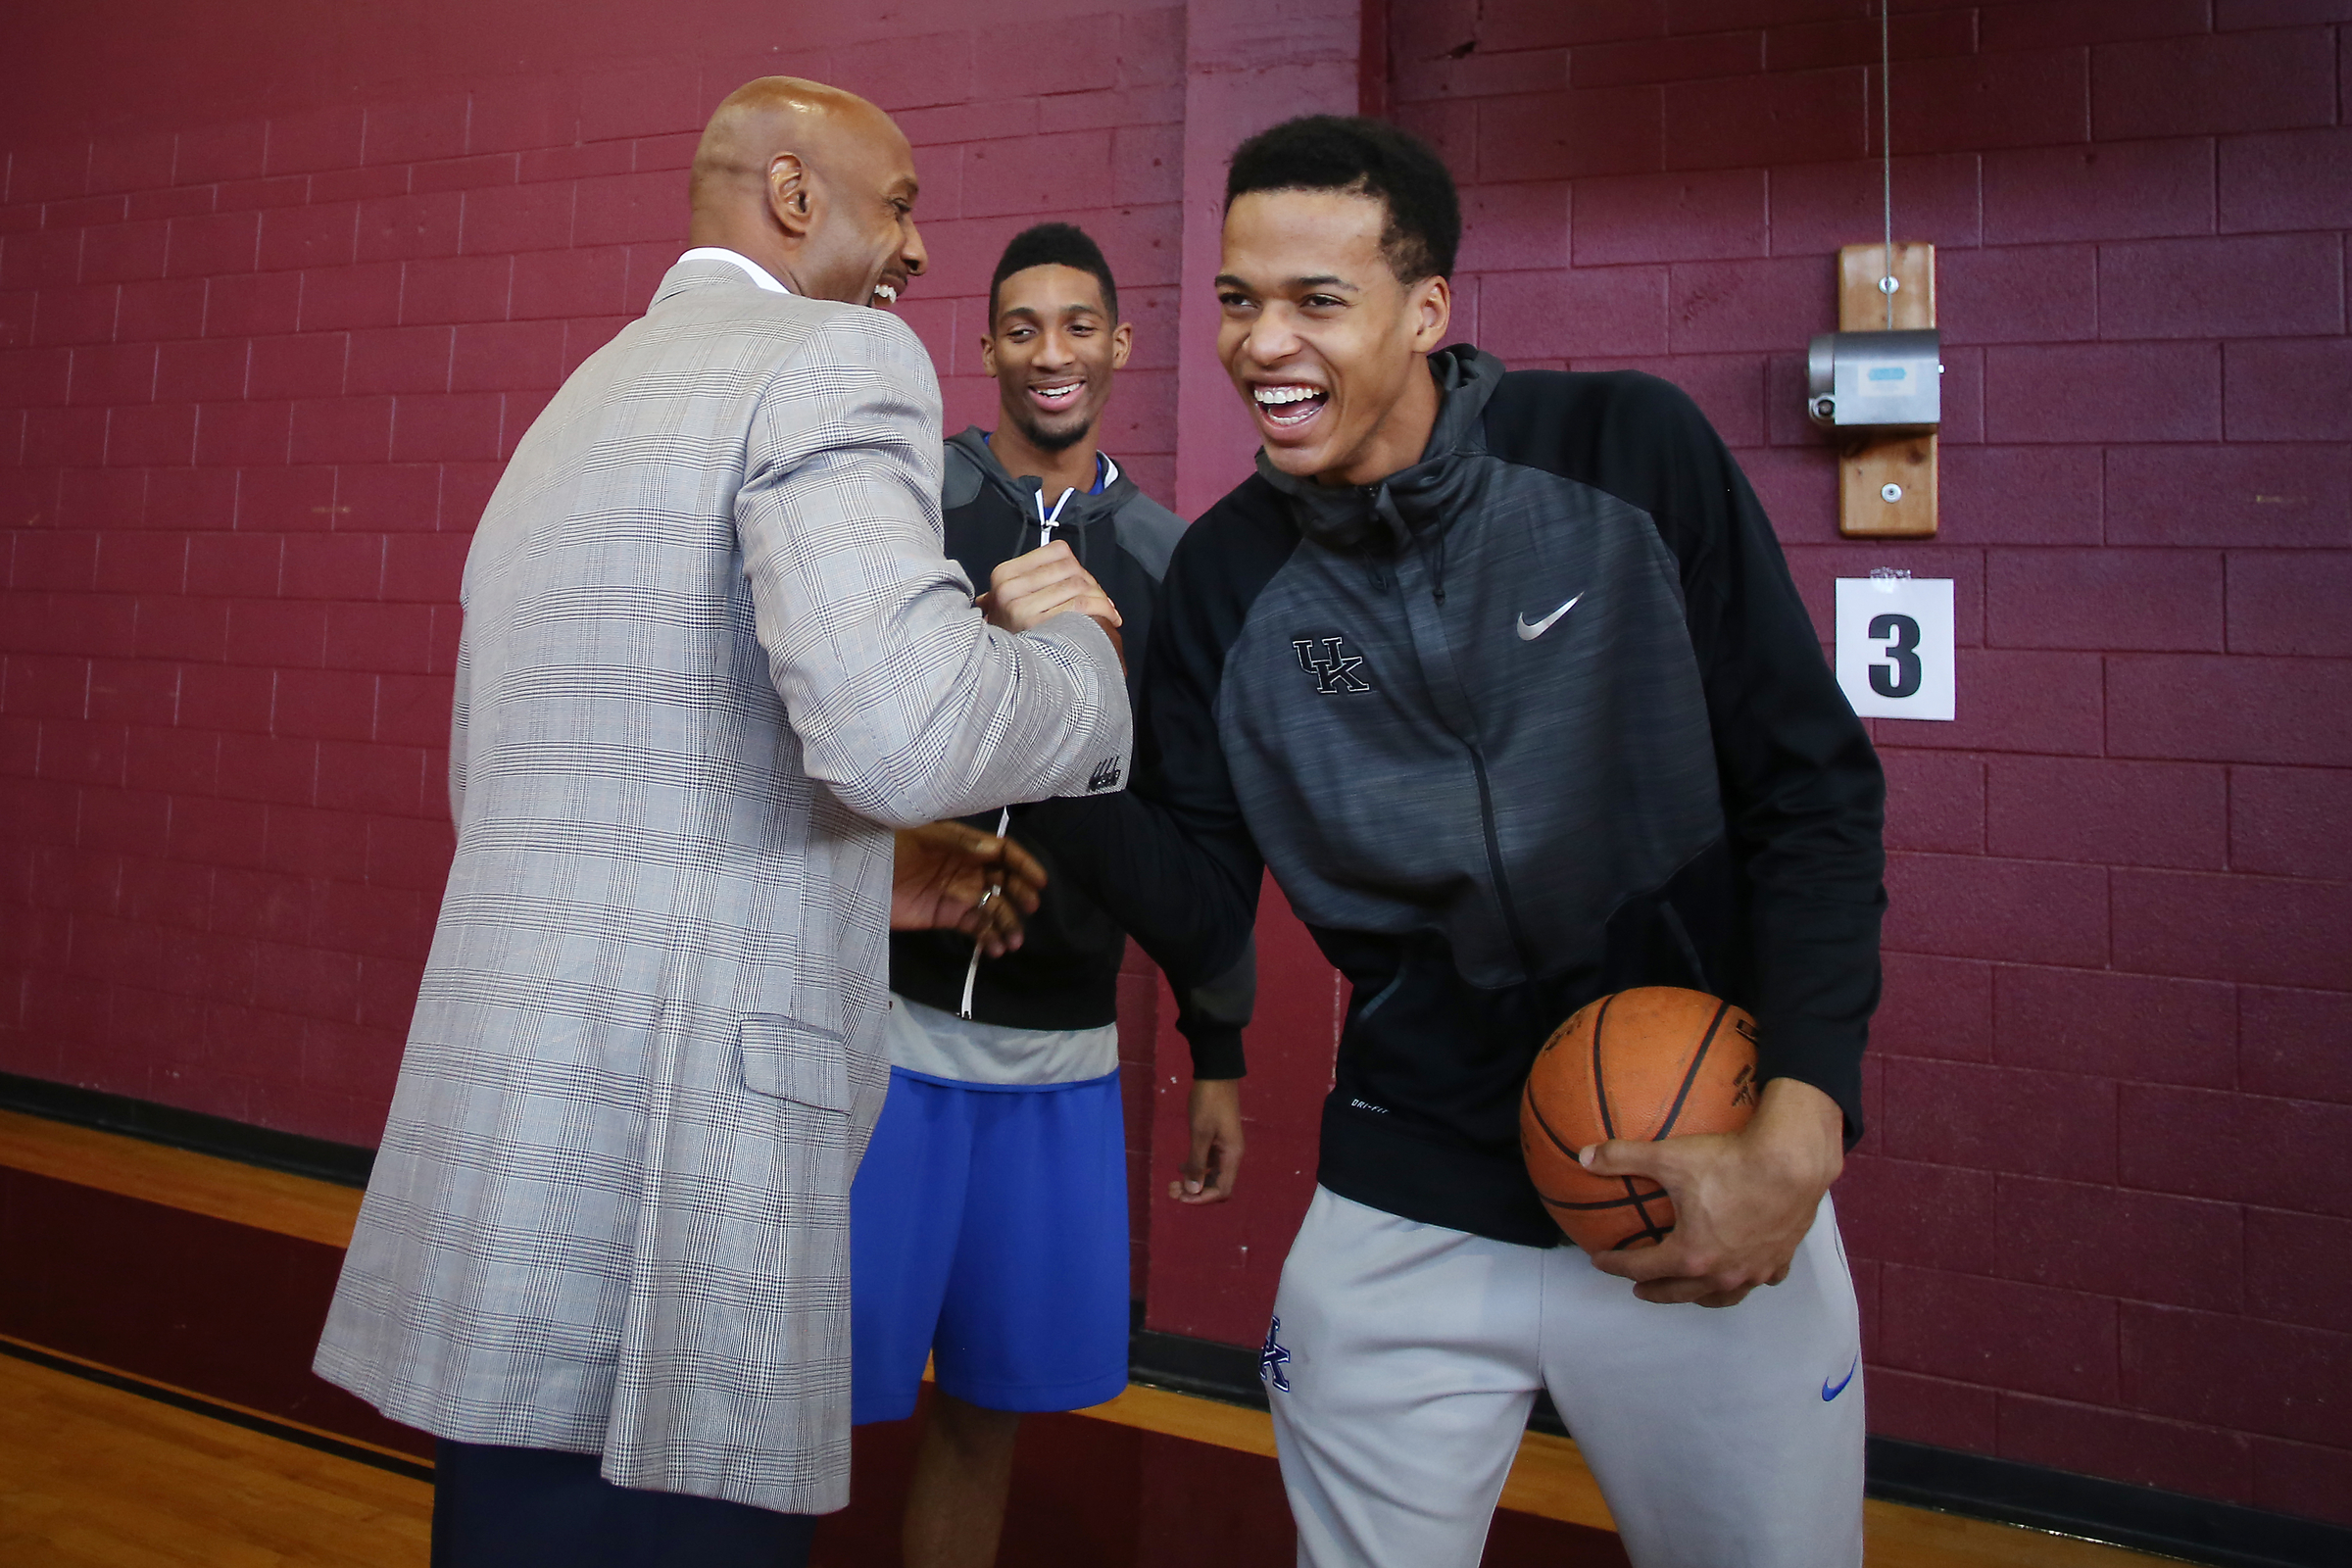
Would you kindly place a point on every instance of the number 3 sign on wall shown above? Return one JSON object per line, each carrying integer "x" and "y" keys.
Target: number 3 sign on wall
{"x": 1894, "y": 646}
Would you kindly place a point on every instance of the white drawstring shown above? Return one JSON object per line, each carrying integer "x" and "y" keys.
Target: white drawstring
{"x": 1047, "y": 522}
{"x": 971, "y": 970}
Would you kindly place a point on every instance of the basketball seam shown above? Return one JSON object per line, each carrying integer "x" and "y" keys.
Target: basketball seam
{"x": 1601, "y": 1088}
{"x": 1633, "y": 1234}
{"x": 1648, "y": 1228}
{"x": 1537, "y": 1112}
{"x": 1600, "y": 1098}
{"x": 1607, "y": 1202}
{"x": 1649, "y": 1224}
{"x": 1697, "y": 1059}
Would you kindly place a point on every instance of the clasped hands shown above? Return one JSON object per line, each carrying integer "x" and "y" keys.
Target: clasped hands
{"x": 1044, "y": 583}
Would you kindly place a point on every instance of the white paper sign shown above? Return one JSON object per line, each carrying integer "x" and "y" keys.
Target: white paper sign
{"x": 1894, "y": 646}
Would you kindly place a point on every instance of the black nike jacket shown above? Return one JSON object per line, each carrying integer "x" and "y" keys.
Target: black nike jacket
{"x": 1534, "y": 719}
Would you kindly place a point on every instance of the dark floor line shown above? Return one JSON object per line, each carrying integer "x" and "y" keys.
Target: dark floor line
{"x": 343, "y": 1165}
{"x": 197, "y": 1404}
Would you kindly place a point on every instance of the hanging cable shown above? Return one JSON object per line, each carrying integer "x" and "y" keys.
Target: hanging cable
{"x": 1887, "y": 282}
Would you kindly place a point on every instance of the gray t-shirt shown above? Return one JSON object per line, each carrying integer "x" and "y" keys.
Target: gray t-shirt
{"x": 939, "y": 1044}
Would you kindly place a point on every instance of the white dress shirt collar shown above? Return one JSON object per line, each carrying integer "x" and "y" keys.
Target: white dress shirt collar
{"x": 753, "y": 270}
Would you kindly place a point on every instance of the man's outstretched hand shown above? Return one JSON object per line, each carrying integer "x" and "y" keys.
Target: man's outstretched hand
{"x": 1207, "y": 1177}
{"x": 942, "y": 878}
{"x": 1743, "y": 1201}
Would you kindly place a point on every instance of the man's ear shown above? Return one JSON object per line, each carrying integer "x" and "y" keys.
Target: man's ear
{"x": 789, "y": 203}
{"x": 988, "y": 353}
{"x": 1433, "y": 312}
{"x": 1122, "y": 344}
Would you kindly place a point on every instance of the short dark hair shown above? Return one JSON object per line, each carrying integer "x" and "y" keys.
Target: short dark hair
{"x": 1053, "y": 245}
{"x": 1365, "y": 158}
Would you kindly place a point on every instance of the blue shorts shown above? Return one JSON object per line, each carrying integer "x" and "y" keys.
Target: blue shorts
{"x": 988, "y": 1229}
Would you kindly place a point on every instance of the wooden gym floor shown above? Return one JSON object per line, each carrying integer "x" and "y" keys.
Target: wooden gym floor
{"x": 107, "y": 1459}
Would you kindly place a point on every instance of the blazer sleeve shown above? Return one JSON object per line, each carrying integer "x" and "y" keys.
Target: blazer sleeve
{"x": 906, "y": 701}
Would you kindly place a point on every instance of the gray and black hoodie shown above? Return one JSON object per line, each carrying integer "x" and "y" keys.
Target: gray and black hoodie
{"x": 1538, "y": 719}
{"x": 1065, "y": 975}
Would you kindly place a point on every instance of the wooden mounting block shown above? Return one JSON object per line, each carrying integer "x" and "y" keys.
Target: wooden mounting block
{"x": 1908, "y": 461}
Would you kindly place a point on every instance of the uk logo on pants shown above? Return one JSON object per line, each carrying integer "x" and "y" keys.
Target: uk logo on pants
{"x": 1273, "y": 1358}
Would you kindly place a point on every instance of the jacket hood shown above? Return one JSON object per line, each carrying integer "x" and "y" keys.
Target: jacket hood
{"x": 1083, "y": 509}
{"x": 1382, "y": 517}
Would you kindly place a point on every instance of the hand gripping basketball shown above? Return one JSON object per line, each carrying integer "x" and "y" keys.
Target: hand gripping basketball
{"x": 1742, "y": 1201}
{"x": 1650, "y": 1063}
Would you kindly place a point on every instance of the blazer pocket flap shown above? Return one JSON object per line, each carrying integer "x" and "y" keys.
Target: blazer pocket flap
{"x": 795, "y": 1061}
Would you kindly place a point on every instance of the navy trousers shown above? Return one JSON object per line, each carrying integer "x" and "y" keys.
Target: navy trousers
{"x": 496, "y": 1507}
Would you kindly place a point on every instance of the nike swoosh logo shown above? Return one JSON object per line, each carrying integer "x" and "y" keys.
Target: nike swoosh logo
{"x": 1527, "y": 633}
{"x": 1828, "y": 1394}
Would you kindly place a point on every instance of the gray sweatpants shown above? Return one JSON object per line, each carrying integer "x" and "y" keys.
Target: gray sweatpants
{"x": 1721, "y": 1439}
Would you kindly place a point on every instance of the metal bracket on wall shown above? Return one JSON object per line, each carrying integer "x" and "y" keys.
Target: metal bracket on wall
{"x": 1886, "y": 488}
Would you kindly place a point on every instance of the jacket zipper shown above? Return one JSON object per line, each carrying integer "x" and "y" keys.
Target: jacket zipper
{"x": 1467, "y": 730}
{"x": 1502, "y": 881}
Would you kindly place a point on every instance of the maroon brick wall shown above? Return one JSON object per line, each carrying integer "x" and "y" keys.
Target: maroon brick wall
{"x": 279, "y": 290}
{"x": 2101, "y": 1219}
{"x": 270, "y": 324}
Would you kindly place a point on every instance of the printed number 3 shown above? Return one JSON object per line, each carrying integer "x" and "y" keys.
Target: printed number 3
{"x": 1901, "y": 678}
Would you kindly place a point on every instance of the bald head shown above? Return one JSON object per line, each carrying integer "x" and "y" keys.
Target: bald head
{"x": 813, "y": 183}
{"x": 778, "y": 115}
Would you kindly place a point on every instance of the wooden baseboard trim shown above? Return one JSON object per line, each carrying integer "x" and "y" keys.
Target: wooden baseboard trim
{"x": 236, "y": 1415}
{"x": 217, "y": 1188}
{"x": 343, "y": 1165}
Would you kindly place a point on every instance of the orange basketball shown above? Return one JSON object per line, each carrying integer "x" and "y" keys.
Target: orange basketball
{"x": 1650, "y": 1062}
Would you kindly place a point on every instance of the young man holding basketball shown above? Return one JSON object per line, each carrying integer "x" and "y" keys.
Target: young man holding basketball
{"x": 1504, "y": 678}
{"x": 989, "y": 1221}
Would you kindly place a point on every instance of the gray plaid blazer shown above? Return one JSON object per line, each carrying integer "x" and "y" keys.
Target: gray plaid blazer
{"x": 713, "y": 653}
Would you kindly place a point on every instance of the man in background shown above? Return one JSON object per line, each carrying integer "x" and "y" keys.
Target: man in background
{"x": 989, "y": 1222}
{"x": 712, "y": 655}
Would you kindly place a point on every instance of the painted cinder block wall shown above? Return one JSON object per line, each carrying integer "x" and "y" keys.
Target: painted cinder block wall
{"x": 2103, "y": 1217}
{"x": 278, "y": 291}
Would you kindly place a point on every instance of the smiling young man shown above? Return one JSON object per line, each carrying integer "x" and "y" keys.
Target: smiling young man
{"x": 989, "y": 1221}
{"x": 1503, "y": 676}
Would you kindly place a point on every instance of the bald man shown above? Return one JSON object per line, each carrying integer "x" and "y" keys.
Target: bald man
{"x": 712, "y": 656}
